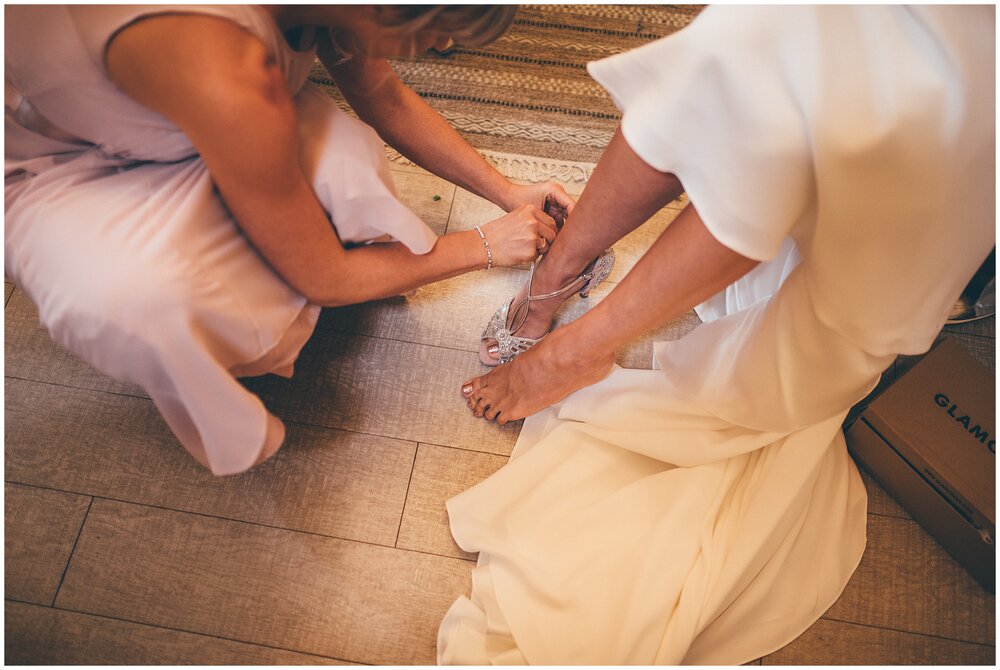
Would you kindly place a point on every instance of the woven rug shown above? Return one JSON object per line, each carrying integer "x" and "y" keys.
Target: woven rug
{"x": 526, "y": 101}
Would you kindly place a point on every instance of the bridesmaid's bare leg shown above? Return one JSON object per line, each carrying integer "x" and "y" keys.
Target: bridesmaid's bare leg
{"x": 621, "y": 195}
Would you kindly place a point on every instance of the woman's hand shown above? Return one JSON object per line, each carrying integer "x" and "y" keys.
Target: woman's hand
{"x": 547, "y": 196}
{"x": 519, "y": 237}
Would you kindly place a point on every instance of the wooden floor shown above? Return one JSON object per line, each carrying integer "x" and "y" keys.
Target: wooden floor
{"x": 120, "y": 549}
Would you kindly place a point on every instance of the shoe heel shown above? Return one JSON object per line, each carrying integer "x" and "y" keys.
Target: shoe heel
{"x": 602, "y": 269}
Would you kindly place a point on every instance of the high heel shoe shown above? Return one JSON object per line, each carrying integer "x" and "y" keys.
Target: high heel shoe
{"x": 510, "y": 345}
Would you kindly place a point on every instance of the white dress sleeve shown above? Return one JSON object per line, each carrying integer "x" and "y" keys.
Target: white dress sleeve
{"x": 712, "y": 106}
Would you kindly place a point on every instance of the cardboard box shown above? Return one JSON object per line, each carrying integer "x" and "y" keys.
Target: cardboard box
{"x": 930, "y": 440}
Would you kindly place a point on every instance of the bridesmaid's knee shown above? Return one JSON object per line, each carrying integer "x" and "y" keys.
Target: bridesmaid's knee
{"x": 127, "y": 310}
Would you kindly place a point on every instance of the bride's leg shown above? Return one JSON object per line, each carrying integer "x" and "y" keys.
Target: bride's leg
{"x": 621, "y": 195}
{"x": 682, "y": 268}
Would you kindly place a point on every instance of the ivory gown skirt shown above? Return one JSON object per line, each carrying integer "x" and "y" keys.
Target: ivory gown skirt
{"x": 635, "y": 526}
{"x": 708, "y": 511}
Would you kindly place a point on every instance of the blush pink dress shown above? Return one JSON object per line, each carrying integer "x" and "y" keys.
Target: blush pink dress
{"x": 114, "y": 229}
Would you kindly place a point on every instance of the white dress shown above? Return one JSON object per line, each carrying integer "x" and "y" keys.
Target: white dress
{"x": 115, "y": 232}
{"x": 708, "y": 512}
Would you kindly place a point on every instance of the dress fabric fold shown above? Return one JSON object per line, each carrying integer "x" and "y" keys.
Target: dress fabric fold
{"x": 115, "y": 231}
{"x": 707, "y": 511}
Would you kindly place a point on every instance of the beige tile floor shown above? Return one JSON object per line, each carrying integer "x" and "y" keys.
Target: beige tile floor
{"x": 119, "y": 549}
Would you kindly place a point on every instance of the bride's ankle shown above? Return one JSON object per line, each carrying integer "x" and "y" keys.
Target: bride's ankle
{"x": 555, "y": 273}
{"x": 569, "y": 350}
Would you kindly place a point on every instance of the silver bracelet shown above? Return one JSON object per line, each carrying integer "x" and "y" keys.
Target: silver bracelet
{"x": 489, "y": 254}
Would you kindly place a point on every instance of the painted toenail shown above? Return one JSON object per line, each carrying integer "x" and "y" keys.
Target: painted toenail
{"x": 494, "y": 350}
{"x": 467, "y": 389}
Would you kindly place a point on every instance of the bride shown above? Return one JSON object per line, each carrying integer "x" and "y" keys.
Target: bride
{"x": 171, "y": 180}
{"x": 841, "y": 171}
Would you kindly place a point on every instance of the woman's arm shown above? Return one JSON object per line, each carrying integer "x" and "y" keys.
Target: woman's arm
{"x": 412, "y": 127}
{"x": 218, "y": 84}
{"x": 684, "y": 266}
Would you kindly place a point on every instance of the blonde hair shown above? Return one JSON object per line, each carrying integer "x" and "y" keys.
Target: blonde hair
{"x": 470, "y": 25}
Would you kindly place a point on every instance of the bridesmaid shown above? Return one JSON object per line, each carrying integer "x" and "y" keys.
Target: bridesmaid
{"x": 171, "y": 181}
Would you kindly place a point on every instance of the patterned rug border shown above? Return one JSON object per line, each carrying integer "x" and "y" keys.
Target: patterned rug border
{"x": 522, "y": 167}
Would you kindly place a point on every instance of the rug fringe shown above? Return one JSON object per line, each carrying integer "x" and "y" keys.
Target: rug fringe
{"x": 523, "y": 168}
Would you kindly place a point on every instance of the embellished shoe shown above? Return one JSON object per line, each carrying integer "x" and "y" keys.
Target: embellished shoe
{"x": 510, "y": 345}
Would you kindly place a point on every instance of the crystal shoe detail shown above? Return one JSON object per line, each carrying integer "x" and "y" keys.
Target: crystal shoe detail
{"x": 510, "y": 345}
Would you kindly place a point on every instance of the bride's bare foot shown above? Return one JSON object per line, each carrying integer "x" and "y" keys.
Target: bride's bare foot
{"x": 540, "y": 377}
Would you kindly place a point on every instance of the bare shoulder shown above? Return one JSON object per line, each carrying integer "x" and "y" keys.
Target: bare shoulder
{"x": 172, "y": 62}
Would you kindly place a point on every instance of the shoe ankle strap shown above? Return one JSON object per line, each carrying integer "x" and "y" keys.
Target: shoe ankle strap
{"x": 565, "y": 289}
{"x": 585, "y": 277}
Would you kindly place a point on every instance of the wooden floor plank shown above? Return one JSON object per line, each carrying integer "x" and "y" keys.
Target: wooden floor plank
{"x": 311, "y": 594}
{"x": 418, "y": 192}
{"x": 36, "y": 635}
{"x": 40, "y": 530}
{"x": 323, "y": 481}
{"x": 908, "y": 582}
{"x": 382, "y": 387}
{"x": 451, "y": 313}
{"x": 469, "y": 211}
{"x": 838, "y": 643}
{"x": 438, "y": 474}
{"x": 879, "y": 501}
